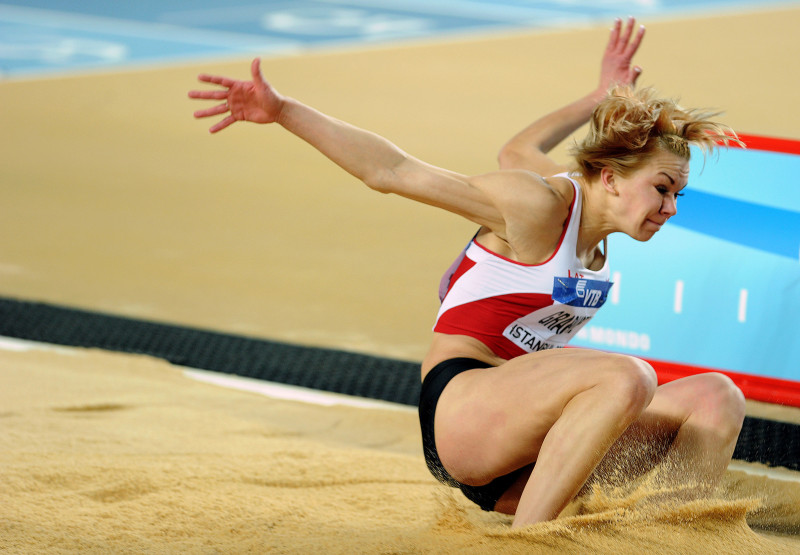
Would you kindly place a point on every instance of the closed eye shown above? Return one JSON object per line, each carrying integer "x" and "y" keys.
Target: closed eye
{"x": 664, "y": 190}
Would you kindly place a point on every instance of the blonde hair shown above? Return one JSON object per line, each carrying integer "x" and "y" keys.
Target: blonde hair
{"x": 629, "y": 126}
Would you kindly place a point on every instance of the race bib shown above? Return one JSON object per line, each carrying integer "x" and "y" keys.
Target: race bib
{"x": 575, "y": 302}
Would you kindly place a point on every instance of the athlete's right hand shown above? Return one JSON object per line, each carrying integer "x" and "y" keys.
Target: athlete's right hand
{"x": 255, "y": 101}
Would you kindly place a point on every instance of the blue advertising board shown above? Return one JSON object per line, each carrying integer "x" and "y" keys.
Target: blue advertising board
{"x": 719, "y": 285}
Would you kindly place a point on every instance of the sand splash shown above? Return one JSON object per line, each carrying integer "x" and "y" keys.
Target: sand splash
{"x": 642, "y": 521}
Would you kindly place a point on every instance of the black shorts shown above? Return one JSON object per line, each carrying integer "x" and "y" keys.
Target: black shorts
{"x": 435, "y": 381}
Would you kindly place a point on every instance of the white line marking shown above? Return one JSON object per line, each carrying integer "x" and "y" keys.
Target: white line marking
{"x": 542, "y": 14}
{"x": 678, "y": 306}
{"x": 143, "y": 30}
{"x": 290, "y": 392}
{"x": 616, "y": 277}
{"x": 23, "y": 345}
{"x": 743, "y": 305}
{"x": 268, "y": 389}
{"x": 773, "y": 473}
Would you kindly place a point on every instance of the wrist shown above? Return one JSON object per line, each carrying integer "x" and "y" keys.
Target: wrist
{"x": 282, "y": 115}
{"x": 598, "y": 95}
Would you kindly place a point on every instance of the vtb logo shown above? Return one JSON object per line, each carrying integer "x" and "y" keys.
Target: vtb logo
{"x": 590, "y": 296}
{"x": 589, "y": 293}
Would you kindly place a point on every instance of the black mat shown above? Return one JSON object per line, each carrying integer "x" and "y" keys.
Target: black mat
{"x": 766, "y": 441}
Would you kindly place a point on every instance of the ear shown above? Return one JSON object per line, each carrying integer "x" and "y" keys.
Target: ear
{"x": 607, "y": 180}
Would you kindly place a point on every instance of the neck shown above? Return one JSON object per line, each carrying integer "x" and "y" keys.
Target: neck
{"x": 595, "y": 226}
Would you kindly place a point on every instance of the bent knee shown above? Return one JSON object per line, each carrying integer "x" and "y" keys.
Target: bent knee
{"x": 723, "y": 401}
{"x": 633, "y": 380}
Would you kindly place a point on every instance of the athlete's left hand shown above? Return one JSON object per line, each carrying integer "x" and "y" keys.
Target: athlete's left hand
{"x": 616, "y": 66}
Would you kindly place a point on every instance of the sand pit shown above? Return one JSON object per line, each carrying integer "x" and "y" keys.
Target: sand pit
{"x": 103, "y": 452}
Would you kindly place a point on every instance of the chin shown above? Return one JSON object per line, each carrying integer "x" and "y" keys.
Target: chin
{"x": 643, "y": 236}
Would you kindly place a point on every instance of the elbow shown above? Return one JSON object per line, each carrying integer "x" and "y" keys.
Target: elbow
{"x": 517, "y": 153}
{"x": 509, "y": 156}
{"x": 388, "y": 178}
{"x": 504, "y": 156}
{"x": 381, "y": 181}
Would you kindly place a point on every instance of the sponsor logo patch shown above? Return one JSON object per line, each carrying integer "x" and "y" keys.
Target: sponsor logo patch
{"x": 589, "y": 293}
{"x": 576, "y": 301}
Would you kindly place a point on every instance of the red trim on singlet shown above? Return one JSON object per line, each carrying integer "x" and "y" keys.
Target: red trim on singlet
{"x": 466, "y": 265}
{"x": 494, "y": 313}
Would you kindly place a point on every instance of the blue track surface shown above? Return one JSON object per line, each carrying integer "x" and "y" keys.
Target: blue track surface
{"x": 40, "y": 37}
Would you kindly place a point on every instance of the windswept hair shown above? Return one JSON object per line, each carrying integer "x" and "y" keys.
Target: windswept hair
{"x": 629, "y": 126}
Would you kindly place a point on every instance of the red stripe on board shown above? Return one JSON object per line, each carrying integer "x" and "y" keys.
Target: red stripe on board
{"x": 772, "y": 144}
{"x": 757, "y": 388}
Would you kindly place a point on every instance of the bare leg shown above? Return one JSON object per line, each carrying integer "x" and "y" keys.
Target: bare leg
{"x": 689, "y": 430}
{"x": 562, "y": 409}
{"x": 590, "y": 423}
{"x": 711, "y": 410}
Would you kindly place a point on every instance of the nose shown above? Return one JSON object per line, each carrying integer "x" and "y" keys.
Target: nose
{"x": 670, "y": 206}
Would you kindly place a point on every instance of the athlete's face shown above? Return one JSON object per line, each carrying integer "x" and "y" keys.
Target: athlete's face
{"x": 648, "y": 197}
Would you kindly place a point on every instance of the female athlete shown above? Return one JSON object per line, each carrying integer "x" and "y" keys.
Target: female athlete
{"x": 516, "y": 422}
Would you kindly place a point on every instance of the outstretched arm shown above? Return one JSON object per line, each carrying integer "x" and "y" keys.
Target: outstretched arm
{"x": 528, "y": 149}
{"x": 361, "y": 153}
{"x": 371, "y": 158}
{"x": 511, "y": 204}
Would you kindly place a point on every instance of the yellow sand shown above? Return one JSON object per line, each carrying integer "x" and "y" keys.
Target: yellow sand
{"x": 103, "y": 452}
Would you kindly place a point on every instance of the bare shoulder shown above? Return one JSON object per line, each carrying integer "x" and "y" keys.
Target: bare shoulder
{"x": 524, "y": 197}
{"x": 533, "y": 210}
{"x": 562, "y": 186}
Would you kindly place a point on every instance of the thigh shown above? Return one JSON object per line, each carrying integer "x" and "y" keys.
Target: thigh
{"x": 490, "y": 422}
{"x": 711, "y": 400}
{"x": 705, "y": 394}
